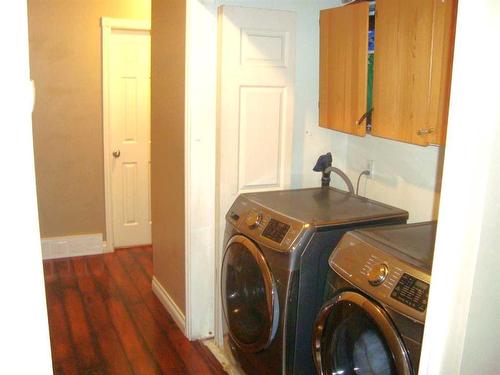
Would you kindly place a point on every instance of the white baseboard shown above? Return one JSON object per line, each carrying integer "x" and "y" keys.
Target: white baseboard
{"x": 72, "y": 246}
{"x": 106, "y": 247}
{"x": 169, "y": 305}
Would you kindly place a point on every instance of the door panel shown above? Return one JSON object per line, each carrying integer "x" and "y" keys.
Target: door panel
{"x": 412, "y": 72}
{"x": 129, "y": 96}
{"x": 129, "y": 108}
{"x": 261, "y": 122}
{"x": 264, "y": 48}
{"x": 344, "y": 68}
{"x": 129, "y": 186}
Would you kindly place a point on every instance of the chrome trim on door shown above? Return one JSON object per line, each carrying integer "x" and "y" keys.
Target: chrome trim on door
{"x": 271, "y": 294}
{"x": 381, "y": 319}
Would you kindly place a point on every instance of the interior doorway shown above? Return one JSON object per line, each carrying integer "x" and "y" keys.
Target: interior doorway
{"x": 126, "y": 62}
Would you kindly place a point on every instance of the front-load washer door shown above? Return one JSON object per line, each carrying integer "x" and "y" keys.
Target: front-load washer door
{"x": 353, "y": 335}
{"x": 249, "y": 297}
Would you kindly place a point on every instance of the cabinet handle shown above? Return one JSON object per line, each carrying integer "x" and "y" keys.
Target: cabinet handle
{"x": 362, "y": 118}
{"x": 424, "y": 131}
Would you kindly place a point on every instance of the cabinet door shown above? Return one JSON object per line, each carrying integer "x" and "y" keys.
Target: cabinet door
{"x": 413, "y": 56}
{"x": 343, "y": 68}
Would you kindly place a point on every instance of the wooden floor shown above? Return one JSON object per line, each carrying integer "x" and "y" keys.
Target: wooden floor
{"x": 104, "y": 319}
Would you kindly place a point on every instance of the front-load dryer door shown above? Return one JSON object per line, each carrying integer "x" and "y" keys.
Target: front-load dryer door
{"x": 353, "y": 335}
{"x": 249, "y": 297}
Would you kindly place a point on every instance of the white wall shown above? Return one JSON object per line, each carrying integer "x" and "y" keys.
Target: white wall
{"x": 462, "y": 333}
{"x": 309, "y": 140}
{"x": 405, "y": 175}
{"x": 24, "y": 331}
{"x": 201, "y": 89}
{"x": 482, "y": 330}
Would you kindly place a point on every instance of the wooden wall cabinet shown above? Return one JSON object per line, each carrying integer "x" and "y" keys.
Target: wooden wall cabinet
{"x": 412, "y": 71}
{"x": 343, "y": 68}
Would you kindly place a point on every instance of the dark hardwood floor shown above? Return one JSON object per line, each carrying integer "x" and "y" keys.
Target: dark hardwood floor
{"x": 105, "y": 319}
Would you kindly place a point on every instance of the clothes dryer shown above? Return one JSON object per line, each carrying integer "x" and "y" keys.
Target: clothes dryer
{"x": 274, "y": 269}
{"x": 373, "y": 320}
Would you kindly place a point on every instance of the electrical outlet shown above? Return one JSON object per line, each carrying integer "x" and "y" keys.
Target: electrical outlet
{"x": 371, "y": 168}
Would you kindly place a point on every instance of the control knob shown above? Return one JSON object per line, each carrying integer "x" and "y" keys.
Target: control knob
{"x": 253, "y": 220}
{"x": 378, "y": 274}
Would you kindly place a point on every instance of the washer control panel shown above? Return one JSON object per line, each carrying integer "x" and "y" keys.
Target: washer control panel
{"x": 263, "y": 225}
{"x": 382, "y": 275}
{"x": 412, "y": 292}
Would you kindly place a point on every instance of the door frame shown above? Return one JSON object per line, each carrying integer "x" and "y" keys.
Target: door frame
{"x": 107, "y": 26}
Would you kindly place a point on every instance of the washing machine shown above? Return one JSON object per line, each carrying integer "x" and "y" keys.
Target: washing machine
{"x": 274, "y": 270}
{"x": 373, "y": 320}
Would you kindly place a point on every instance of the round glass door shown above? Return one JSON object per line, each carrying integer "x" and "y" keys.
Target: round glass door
{"x": 355, "y": 336}
{"x": 249, "y": 296}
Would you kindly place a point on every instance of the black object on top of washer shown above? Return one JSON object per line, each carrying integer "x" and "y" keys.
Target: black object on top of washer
{"x": 324, "y": 162}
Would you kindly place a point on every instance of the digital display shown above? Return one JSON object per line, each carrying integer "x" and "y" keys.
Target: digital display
{"x": 412, "y": 292}
{"x": 421, "y": 285}
{"x": 276, "y": 230}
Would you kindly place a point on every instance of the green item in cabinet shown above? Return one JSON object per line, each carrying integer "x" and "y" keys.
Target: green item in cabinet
{"x": 369, "y": 96}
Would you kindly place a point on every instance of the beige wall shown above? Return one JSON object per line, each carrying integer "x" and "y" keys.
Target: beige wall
{"x": 65, "y": 62}
{"x": 167, "y": 149}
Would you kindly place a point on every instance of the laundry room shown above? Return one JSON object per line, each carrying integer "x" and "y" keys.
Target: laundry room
{"x": 262, "y": 187}
{"x": 257, "y": 221}
{"x": 406, "y": 175}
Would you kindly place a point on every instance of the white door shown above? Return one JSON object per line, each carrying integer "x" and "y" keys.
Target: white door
{"x": 257, "y": 69}
{"x": 256, "y": 91}
{"x": 129, "y": 118}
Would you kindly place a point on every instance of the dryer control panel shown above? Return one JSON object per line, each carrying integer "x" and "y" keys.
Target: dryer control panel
{"x": 383, "y": 276}
{"x": 276, "y": 230}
